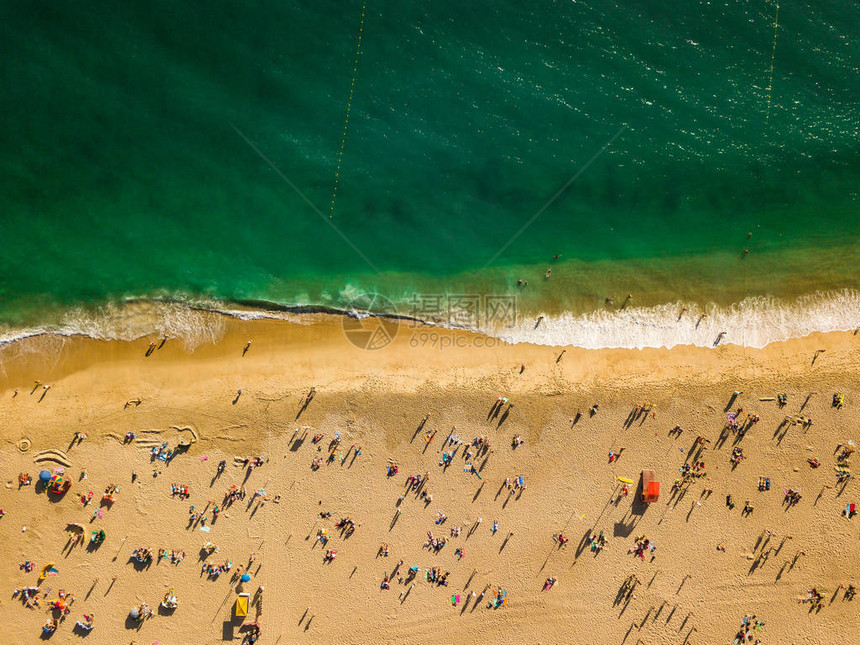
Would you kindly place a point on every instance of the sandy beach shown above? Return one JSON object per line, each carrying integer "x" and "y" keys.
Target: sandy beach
{"x": 713, "y": 564}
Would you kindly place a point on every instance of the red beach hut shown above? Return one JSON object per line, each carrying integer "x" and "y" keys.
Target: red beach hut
{"x": 650, "y": 486}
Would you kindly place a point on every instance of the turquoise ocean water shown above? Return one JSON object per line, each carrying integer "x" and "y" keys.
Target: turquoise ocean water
{"x": 137, "y": 145}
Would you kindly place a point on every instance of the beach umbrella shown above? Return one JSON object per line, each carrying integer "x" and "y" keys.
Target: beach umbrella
{"x": 134, "y": 613}
{"x": 246, "y": 577}
{"x": 44, "y": 476}
{"x": 56, "y": 484}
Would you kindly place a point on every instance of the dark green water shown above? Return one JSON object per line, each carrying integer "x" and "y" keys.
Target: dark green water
{"x": 123, "y": 175}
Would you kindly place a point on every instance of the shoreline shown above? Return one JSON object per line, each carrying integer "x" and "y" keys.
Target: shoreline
{"x": 753, "y": 322}
{"x": 442, "y": 347}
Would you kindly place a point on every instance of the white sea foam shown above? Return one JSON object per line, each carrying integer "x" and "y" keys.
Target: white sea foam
{"x": 193, "y": 324}
{"x": 753, "y": 322}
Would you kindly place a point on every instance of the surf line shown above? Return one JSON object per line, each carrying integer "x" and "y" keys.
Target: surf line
{"x": 348, "y": 108}
{"x": 772, "y": 59}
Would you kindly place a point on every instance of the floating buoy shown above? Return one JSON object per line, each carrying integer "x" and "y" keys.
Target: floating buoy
{"x": 772, "y": 60}
{"x": 348, "y": 109}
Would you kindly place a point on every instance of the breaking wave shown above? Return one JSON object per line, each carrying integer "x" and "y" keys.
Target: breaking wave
{"x": 753, "y": 322}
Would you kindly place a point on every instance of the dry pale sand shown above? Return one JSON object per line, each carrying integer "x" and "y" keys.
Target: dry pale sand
{"x": 690, "y": 592}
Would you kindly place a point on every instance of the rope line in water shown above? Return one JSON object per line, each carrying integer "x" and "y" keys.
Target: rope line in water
{"x": 348, "y": 108}
{"x": 772, "y": 60}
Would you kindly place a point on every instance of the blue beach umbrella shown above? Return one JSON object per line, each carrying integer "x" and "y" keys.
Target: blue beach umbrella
{"x": 245, "y": 577}
{"x": 44, "y": 476}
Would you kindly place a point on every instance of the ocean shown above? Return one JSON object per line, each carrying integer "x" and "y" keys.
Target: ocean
{"x": 171, "y": 157}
